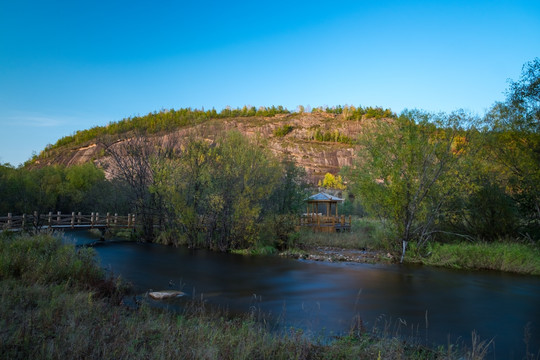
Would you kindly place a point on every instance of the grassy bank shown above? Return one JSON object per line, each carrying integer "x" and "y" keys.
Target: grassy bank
{"x": 504, "y": 256}
{"x": 507, "y": 255}
{"x": 56, "y": 303}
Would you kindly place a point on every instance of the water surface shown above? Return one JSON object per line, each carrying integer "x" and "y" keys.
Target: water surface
{"x": 326, "y": 297}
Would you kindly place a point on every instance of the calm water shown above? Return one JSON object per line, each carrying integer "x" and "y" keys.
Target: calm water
{"x": 326, "y": 297}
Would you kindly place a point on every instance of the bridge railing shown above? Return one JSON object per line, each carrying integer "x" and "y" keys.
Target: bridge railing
{"x": 59, "y": 220}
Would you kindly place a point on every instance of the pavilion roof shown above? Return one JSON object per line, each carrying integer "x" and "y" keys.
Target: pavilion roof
{"x": 322, "y": 197}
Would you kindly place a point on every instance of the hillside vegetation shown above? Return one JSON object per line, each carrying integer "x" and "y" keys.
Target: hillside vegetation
{"x": 170, "y": 120}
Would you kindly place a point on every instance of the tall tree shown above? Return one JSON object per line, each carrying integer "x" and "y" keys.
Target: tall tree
{"x": 132, "y": 160}
{"x": 406, "y": 170}
{"x": 515, "y": 142}
{"x": 215, "y": 193}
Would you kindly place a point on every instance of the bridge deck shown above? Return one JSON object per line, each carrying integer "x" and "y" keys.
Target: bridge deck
{"x": 66, "y": 221}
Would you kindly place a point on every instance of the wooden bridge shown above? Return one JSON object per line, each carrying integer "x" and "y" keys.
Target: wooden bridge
{"x": 58, "y": 220}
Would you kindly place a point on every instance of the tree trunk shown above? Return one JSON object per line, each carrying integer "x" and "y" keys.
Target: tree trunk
{"x": 404, "y": 244}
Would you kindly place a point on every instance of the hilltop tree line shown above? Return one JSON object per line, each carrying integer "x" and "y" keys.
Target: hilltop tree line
{"x": 163, "y": 121}
{"x": 171, "y": 119}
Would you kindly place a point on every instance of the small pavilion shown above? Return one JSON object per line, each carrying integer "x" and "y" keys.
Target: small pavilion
{"x": 324, "y": 201}
{"x": 322, "y": 214}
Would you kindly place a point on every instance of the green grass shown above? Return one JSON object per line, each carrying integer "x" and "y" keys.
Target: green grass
{"x": 503, "y": 256}
{"x": 55, "y": 303}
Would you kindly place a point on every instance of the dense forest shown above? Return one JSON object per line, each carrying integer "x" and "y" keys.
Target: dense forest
{"x": 428, "y": 177}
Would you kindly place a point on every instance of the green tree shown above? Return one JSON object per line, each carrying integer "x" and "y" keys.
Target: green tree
{"x": 216, "y": 193}
{"x": 184, "y": 181}
{"x": 515, "y": 143}
{"x": 243, "y": 176}
{"x": 281, "y": 209}
{"x": 407, "y": 170}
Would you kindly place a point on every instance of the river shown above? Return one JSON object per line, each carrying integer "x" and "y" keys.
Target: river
{"x": 436, "y": 306}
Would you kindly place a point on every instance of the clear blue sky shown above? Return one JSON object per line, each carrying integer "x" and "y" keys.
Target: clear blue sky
{"x": 72, "y": 65}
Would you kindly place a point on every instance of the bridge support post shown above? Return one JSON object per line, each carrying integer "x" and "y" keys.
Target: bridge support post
{"x": 72, "y": 219}
{"x": 92, "y": 220}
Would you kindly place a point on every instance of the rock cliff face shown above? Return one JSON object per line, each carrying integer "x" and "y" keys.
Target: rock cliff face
{"x": 301, "y": 144}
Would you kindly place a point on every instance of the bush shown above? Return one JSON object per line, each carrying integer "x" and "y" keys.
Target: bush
{"x": 284, "y": 130}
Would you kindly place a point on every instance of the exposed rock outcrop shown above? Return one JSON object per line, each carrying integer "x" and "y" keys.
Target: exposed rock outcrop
{"x": 301, "y": 144}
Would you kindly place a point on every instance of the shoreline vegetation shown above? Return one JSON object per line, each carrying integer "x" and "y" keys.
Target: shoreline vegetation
{"x": 368, "y": 242}
{"x": 57, "y": 303}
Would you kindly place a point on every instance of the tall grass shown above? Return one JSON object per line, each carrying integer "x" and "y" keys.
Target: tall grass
{"x": 504, "y": 256}
{"x": 365, "y": 233}
{"x": 53, "y": 306}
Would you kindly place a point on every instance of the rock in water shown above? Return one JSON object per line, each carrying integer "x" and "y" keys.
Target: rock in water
{"x": 165, "y": 294}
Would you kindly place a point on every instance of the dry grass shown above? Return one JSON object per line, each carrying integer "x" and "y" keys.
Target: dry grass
{"x": 365, "y": 234}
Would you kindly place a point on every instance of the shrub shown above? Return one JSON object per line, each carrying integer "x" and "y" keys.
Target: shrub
{"x": 284, "y": 130}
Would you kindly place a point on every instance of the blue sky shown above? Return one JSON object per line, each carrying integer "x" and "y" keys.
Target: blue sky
{"x": 72, "y": 65}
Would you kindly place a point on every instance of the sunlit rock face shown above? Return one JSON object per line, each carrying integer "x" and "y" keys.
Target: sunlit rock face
{"x": 303, "y": 143}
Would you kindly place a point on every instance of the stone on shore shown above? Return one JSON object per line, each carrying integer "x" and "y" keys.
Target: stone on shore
{"x": 165, "y": 294}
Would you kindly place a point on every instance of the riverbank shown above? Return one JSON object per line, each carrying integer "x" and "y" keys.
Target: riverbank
{"x": 56, "y": 303}
{"x": 368, "y": 243}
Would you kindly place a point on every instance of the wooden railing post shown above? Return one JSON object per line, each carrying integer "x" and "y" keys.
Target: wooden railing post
{"x": 115, "y": 219}
{"x": 23, "y": 221}
{"x": 129, "y": 221}
{"x": 36, "y": 219}
{"x": 9, "y": 216}
{"x": 58, "y": 218}
{"x": 72, "y": 219}
{"x": 342, "y": 220}
{"x": 50, "y": 218}
{"x": 92, "y": 220}
{"x": 108, "y": 219}
{"x": 79, "y": 216}
{"x": 97, "y": 218}
{"x": 133, "y": 221}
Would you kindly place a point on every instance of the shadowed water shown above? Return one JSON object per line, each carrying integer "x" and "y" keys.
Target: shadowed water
{"x": 326, "y": 297}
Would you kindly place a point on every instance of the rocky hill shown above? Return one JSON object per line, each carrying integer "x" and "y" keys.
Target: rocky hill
{"x": 320, "y": 142}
